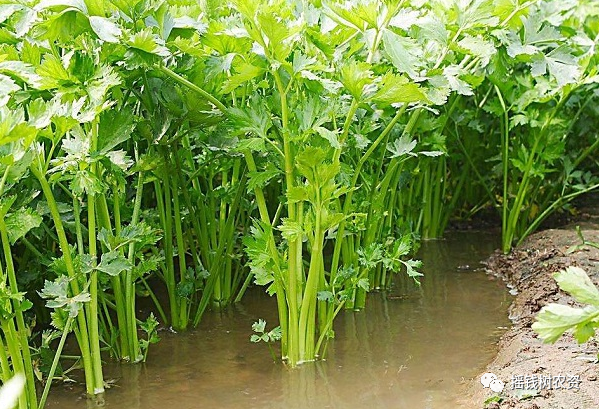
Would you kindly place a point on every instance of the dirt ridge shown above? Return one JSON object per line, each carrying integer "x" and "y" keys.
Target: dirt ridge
{"x": 528, "y": 270}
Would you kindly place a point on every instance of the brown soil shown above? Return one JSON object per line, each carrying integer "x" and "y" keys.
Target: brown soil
{"x": 529, "y": 270}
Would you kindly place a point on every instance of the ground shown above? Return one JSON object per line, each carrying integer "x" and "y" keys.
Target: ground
{"x": 522, "y": 357}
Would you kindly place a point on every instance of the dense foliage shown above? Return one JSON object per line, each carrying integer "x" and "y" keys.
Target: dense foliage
{"x": 182, "y": 150}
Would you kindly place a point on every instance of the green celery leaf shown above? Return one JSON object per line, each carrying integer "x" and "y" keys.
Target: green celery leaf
{"x": 260, "y": 179}
{"x": 403, "y": 145}
{"x": 244, "y": 73}
{"x": 329, "y": 135}
{"x": 20, "y": 222}
{"x": 325, "y": 296}
{"x": 555, "y": 319}
{"x": 291, "y": 230}
{"x": 411, "y": 266}
{"x": 355, "y": 76}
{"x": 113, "y": 263}
{"x": 577, "y": 283}
{"x": 404, "y": 52}
{"x": 105, "y": 29}
{"x": 397, "y": 89}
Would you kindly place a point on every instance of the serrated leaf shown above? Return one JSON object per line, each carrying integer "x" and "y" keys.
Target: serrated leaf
{"x": 52, "y": 72}
{"x": 120, "y": 159}
{"x": 452, "y": 73}
{"x": 244, "y": 73}
{"x": 329, "y": 135}
{"x": 403, "y": 145}
{"x": 113, "y": 263}
{"x": 297, "y": 194}
{"x": 332, "y": 220}
{"x": 116, "y": 126}
{"x": 370, "y": 256}
{"x": 309, "y": 159}
{"x": 479, "y": 47}
{"x": 555, "y": 319}
{"x": 260, "y": 179}
{"x": 105, "y": 29}
{"x": 302, "y": 62}
{"x": 576, "y": 282}
{"x": 280, "y": 34}
{"x": 404, "y": 52}
{"x": 290, "y": 229}
{"x": 355, "y": 76}
{"x": 55, "y": 289}
{"x": 397, "y": 89}
{"x": 560, "y": 64}
{"x": 20, "y": 222}
{"x": 251, "y": 144}
{"x": 85, "y": 182}
{"x": 147, "y": 42}
{"x": 259, "y": 326}
{"x": 324, "y": 296}
{"x": 254, "y": 119}
{"x": 433, "y": 29}
{"x": 405, "y": 19}
{"x": 411, "y": 266}
{"x": 363, "y": 284}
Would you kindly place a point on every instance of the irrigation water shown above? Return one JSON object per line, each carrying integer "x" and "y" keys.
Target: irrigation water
{"x": 412, "y": 347}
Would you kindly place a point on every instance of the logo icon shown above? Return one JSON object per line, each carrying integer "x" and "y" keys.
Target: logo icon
{"x": 490, "y": 380}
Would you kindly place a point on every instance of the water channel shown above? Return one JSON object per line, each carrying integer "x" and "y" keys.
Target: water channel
{"x": 411, "y": 348}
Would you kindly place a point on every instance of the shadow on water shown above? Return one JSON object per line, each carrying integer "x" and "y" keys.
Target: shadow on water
{"x": 410, "y": 348}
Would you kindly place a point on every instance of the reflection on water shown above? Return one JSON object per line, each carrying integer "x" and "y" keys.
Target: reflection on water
{"x": 408, "y": 349}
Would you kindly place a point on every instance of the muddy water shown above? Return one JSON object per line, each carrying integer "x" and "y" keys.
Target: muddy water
{"x": 409, "y": 349}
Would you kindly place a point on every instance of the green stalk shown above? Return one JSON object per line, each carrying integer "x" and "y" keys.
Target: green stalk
{"x": 63, "y": 338}
{"x": 295, "y": 264}
{"x": 193, "y": 87}
{"x": 348, "y": 198}
{"x": 226, "y": 235}
{"x": 4, "y": 365}
{"x": 78, "y": 230}
{"x": 558, "y": 202}
{"x": 244, "y": 286}
{"x": 103, "y": 217}
{"x": 129, "y": 282}
{"x": 521, "y": 194}
{"x": 22, "y": 329}
{"x": 505, "y": 149}
{"x": 307, "y": 318}
{"x": 154, "y": 300}
{"x": 122, "y": 303}
{"x": 282, "y": 304}
{"x": 181, "y": 251}
{"x": 14, "y": 350}
{"x": 167, "y": 220}
{"x": 92, "y": 306}
{"x": 81, "y": 328}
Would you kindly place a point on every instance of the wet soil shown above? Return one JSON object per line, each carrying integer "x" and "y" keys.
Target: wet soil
{"x": 529, "y": 270}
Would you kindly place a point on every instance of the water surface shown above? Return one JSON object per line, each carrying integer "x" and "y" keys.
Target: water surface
{"x": 411, "y": 348}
